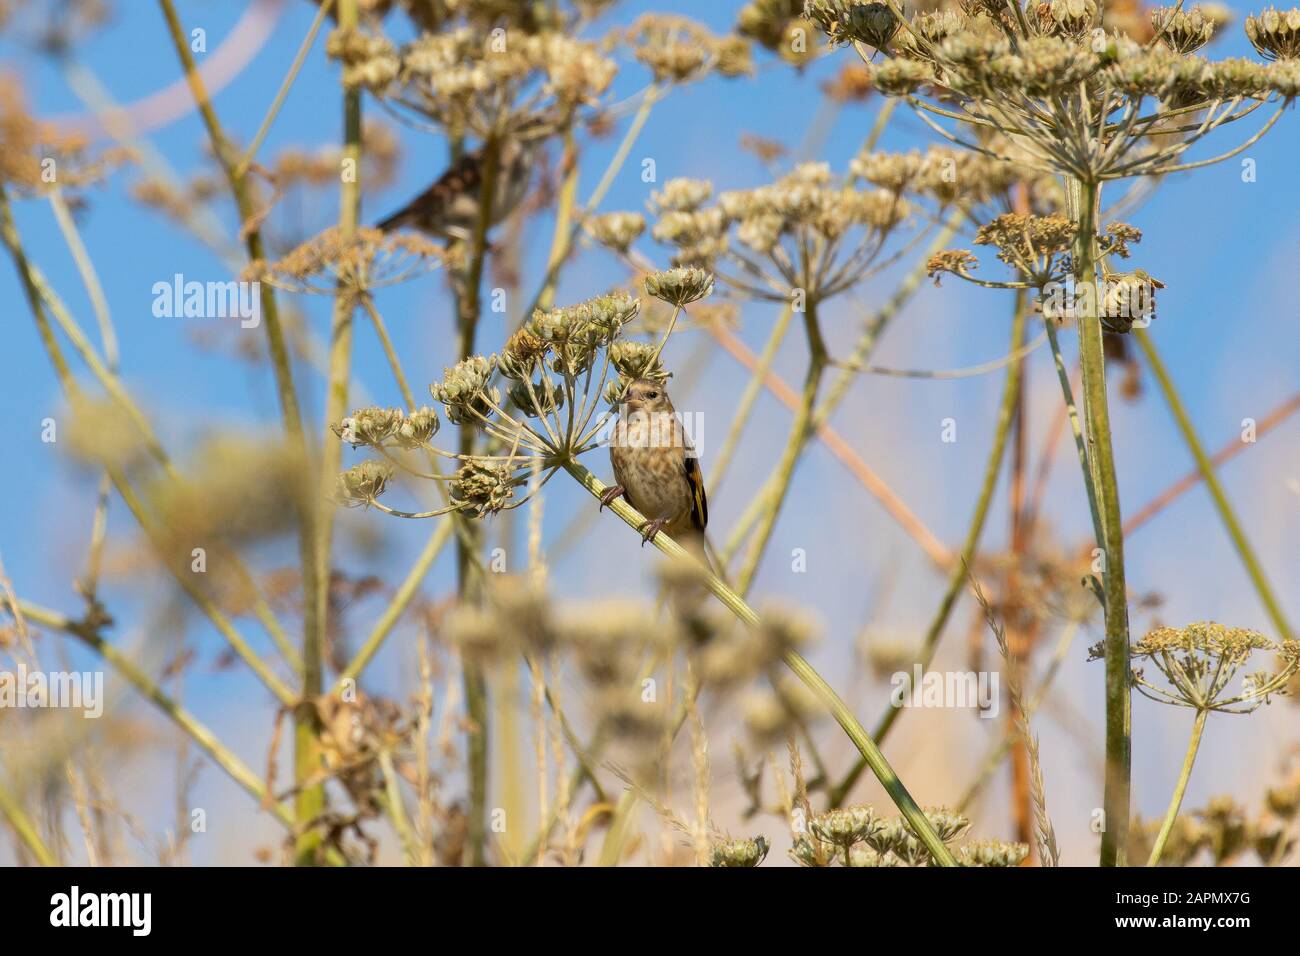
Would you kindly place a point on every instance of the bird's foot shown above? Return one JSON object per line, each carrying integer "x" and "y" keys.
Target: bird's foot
{"x": 652, "y": 528}
{"x": 617, "y": 491}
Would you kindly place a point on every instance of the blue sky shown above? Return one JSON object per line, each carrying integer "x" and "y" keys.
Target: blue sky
{"x": 1227, "y": 327}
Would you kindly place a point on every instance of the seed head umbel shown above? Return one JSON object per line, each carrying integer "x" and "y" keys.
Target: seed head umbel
{"x": 680, "y": 286}
{"x": 1275, "y": 34}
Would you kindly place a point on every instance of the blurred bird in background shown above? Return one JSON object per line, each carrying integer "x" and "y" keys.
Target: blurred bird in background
{"x": 449, "y": 209}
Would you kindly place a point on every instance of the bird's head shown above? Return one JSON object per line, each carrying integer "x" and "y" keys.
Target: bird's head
{"x": 647, "y": 396}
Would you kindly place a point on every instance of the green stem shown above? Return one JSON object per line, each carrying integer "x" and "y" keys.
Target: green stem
{"x": 1177, "y": 800}
{"x": 839, "y": 388}
{"x": 1101, "y": 459}
{"x": 148, "y": 688}
{"x": 308, "y": 753}
{"x": 1072, "y": 410}
{"x": 304, "y": 48}
{"x": 1229, "y": 518}
{"x": 401, "y": 600}
{"x": 473, "y": 678}
{"x": 22, "y": 825}
{"x": 747, "y": 399}
{"x": 802, "y": 669}
{"x": 307, "y": 730}
{"x": 959, "y": 573}
{"x": 800, "y": 431}
{"x": 40, "y": 298}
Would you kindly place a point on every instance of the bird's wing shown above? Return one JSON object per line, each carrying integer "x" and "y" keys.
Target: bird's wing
{"x": 699, "y": 501}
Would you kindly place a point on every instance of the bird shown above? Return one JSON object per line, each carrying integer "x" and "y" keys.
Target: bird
{"x": 657, "y": 470}
{"x": 449, "y": 208}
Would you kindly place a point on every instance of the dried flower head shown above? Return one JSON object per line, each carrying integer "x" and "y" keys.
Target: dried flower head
{"x": 770, "y": 715}
{"x": 364, "y": 482}
{"x": 368, "y": 60}
{"x": 845, "y": 827}
{"x": 848, "y": 21}
{"x": 461, "y": 77}
{"x": 957, "y": 261}
{"x": 462, "y": 388}
{"x": 902, "y": 77}
{"x": 679, "y": 50}
{"x": 1275, "y": 33}
{"x": 779, "y": 26}
{"x": 602, "y": 635}
{"x": 616, "y": 230}
{"x": 1200, "y": 660}
{"x": 35, "y": 155}
{"x": 364, "y": 259}
{"x": 1069, "y": 18}
{"x": 894, "y": 837}
{"x": 377, "y": 427}
{"x": 993, "y": 853}
{"x": 739, "y": 852}
{"x": 236, "y": 487}
{"x": 483, "y": 486}
{"x": 680, "y": 286}
{"x": 1183, "y": 31}
{"x": 1029, "y": 244}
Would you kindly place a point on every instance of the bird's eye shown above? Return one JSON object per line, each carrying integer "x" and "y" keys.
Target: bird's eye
{"x": 652, "y": 395}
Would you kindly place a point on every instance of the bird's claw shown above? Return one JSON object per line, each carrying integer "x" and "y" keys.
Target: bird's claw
{"x": 617, "y": 491}
{"x": 651, "y": 529}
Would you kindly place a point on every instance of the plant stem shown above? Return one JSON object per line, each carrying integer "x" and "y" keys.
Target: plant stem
{"x": 1206, "y": 467}
{"x": 1177, "y": 800}
{"x": 148, "y": 688}
{"x": 1101, "y": 459}
{"x": 800, "y": 431}
{"x": 747, "y": 399}
{"x": 401, "y": 600}
{"x": 308, "y": 755}
{"x": 835, "y": 394}
{"x": 1080, "y": 442}
{"x": 801, "y": 668}
{"x": 474, "y": 680}
{"x": 40, "y": 298}
{"x": 26, "y": 830}
{"x": 959, "y": 573}
{"x": 310, "y": 800}
{"x": 325, "y": 7}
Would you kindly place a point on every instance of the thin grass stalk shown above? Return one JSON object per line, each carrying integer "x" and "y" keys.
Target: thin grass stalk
{"x": 1004, "y": 744}
{"x": 1045, "y": 834}
{"x": 1080, "y": 441}
{"x": 324, "y": 9}
{"x": 959, "y": 575}
{"x": 104, "y": 371}
{"x": 25, "y": 829}
{"x": 747, "y": 398}
{"x": 835, "y": 394}
{"x": 310, "y": 800}
{"x": 800, "y": 431}
{"x": 1227, "y": 515}
{"x": 40, "y": 297}
{"x": 207, "y": 741}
